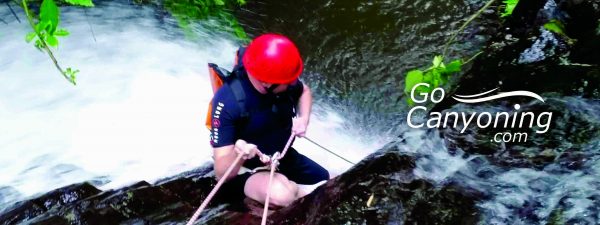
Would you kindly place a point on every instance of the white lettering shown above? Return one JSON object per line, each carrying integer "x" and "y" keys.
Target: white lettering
{"x": 410, "y": 116}
{"x": 412, "y": 93}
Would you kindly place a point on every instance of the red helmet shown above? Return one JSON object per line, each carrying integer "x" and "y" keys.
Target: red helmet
{"x": 273, "y": 58}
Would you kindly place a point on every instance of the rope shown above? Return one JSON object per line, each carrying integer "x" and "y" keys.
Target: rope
{"x": 287, "y": 146}
{"x": 274, "y": 164}
{"x": 329, "y": 150}
{"x": 214, "y": 190}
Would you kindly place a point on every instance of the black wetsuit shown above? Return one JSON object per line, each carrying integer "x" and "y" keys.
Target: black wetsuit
{"x": 268, "y": 125}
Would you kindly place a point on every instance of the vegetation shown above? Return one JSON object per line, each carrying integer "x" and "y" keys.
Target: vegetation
{"x": 509, "y": 6}
{"x": 46, "y": 31}
{"x": 188, "y": 11}
{"x": 558, "y": 28}
{"x": 438, "y": 74}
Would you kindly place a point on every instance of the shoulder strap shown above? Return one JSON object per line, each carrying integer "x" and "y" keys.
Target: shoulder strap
{"x": 240, "y": 55}
{"x": 238, "y": 92}
{"x": 236, "y": 85}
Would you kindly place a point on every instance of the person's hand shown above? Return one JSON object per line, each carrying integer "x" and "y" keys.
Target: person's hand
{"x": 246, "y": 149}
{"x": 299, "y": 126}
{"x": 250, "y": 151}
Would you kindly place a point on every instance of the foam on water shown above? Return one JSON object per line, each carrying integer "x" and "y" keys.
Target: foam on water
{"x": 513, "y": 195}
{"x": 137, "y": 112}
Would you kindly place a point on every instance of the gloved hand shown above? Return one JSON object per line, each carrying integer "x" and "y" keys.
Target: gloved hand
{"x": 250, "y": 151}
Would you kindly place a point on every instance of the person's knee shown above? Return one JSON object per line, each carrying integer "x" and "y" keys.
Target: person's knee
{"x": 283, "y": 191}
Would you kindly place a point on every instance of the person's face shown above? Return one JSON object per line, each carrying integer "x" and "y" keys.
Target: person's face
{"x": 263, "y": 87}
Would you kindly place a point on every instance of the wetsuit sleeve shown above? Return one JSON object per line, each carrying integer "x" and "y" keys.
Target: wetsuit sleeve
{"x": 225, "y": 113}
{"x": 295, "y": 90}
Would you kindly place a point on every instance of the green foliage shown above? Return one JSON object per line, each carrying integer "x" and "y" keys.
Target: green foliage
{"x": 188, "y": 11}
{"x": 71, "y": 75}
{"x": 46, "y": 31}
{"x": 47, "y": 25}
{"x": 48, "y": 17}
{"x": 555, "y": 26}
{"x": 86, "y": 3}
{"x": 436, "y": 75}
{"x": 558, "y": 27}
{"x": 509, "y": 7}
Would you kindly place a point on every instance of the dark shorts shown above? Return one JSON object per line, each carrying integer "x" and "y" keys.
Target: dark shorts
{"x": 295, "y": 166}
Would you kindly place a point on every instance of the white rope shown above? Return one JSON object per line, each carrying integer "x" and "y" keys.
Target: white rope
{"x": 274, "y": 164}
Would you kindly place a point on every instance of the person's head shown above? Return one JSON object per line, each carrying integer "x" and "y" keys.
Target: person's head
{"x": 272, "y": 62}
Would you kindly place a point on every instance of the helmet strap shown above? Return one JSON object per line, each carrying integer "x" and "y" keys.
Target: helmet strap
{"x": 272, "y": 88}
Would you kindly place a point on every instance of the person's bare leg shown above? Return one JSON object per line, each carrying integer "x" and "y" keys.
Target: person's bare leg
{"x": 283, "y": 191}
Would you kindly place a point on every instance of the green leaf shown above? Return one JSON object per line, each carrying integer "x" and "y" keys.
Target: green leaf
{"x": 241, "y": 2}
{"x": 413, "y": 77}
{"x": 428, "y": 77}
{"x": 61, "y": 33}
{"x": 49, "y": 14}
{"x": 87, "y": 3}
{"x": 38, "y": 44}
{"x": 72, "y": 75}
{"x": 41, "y": 26}
{"x": 219, "y": 2}
{"x": 30, "y": 37}
{"x": 437, "y": 61}
{"x": 510, "y": 6}
{"x": 443, "y": 78}
{"x": 409, "y": 101}
{"x": 454, "y": 66}
{"x": 52, "y": 41}
{"x": 435, "y": 78}
{"x": 555, "y": 26}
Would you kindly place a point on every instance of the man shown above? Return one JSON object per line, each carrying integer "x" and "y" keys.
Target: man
{"x": 268, "y": 75}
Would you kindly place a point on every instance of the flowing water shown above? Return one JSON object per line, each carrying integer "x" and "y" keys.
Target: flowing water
{"x": 138, "y": 109}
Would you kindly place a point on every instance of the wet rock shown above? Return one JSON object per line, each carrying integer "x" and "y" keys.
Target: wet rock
{"x": 171, "y": 199}
{"x": 398, "y": 196}
{"x": 55, "y": 199}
